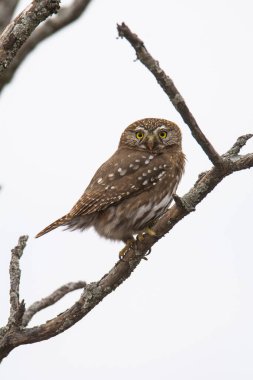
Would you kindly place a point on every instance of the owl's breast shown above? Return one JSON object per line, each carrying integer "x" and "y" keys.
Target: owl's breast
{"x": 130, "y": 216}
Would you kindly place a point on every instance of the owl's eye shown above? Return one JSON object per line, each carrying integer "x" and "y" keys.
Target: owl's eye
{"x": 139, "y": 135}
{"x": 163, "y": 134}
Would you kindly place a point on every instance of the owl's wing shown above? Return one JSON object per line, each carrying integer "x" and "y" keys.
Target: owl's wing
{"x": 124, "y": 175}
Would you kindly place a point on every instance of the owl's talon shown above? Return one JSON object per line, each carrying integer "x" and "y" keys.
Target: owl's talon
{"x": 140, "y": 237}
{"x": 150, "y": 232}
{"x": 148, "y": 253}
{"x": 123, "y": 252}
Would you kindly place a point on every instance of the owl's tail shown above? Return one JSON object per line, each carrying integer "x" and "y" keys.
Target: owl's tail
{"x": 52, "y": 226}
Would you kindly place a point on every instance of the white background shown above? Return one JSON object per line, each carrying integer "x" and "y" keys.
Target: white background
{"x": 187, "y": 312}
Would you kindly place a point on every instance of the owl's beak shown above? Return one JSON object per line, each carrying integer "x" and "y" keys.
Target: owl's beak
{"x": 150, "y": 142}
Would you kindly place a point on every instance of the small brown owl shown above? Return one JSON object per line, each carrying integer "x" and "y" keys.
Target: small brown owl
{"x": 134, "y": 187}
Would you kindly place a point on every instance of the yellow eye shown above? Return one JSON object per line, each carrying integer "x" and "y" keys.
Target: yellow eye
{"x": 139, "y": 135}
{"x": 163, "y": 134}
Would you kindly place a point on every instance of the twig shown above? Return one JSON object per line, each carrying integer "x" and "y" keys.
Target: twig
{"x": 17, "y": 32}
{"x": 50, "y": 300}
{"x": 65, "y": 16}
{"x": 170, "y": 89}
{"x": 16, "y": 308}
{"x": 238, "y": 145}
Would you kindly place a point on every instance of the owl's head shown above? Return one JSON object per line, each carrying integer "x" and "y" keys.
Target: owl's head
{"x": 151, "y": 134}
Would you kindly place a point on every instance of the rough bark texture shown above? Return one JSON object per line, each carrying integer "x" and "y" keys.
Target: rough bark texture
{"x": 17, "y": 32}
{"x": 15, "y": 333}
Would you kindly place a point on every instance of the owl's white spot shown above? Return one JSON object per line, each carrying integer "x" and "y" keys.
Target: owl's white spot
{"x": 161, "y": 174}
{"x": 152, "y": 179}
{"x": 113, "y": 187}
{"x": 99, "y": 180}
{"x": 144, "y": 174}
{"x": 165, "y": 166}
{"x": 154, "y": 183}
{"x": 122, "y": 171}
{"x": 136, "y": 167}
{"x": 119, "y": 196}
{"x": 144, "y": 156}
{"x": 133, "y": 186}
{"x": 127, "y": 193}
{"x": 149, "y": 171}
{"x": 137, "y": 160}
{"x": 145, "y": 182}
{"x": 107, "y": 187}
{"x": 151, "y": 157}
{"x": 111, "y": 175}
{"x": 155, "y": 168}
{"x": 129, "y": 155}
{"x": 139, "y": 178}
{"x": 147, "y": 162}
{"x": 131, "y": 165}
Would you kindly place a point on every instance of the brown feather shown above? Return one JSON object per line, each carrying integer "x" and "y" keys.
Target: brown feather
{"x": 52, "y": 226}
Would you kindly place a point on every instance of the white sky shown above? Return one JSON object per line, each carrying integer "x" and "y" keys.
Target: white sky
{"x": 187, "y": 312}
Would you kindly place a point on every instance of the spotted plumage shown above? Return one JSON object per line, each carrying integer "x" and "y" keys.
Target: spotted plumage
{"x": 135, "y": 186}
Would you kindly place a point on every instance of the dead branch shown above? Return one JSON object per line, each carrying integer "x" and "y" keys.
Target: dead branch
{"x": 16, "y": 334}
{"x": 17, "y": 307}
{"x": 50, "y": 300}
{"x": 170, "y": 89}
{"x": 17, "y": 32}
{"x": 94, "y": 293}
{"x": 64, "y": 17}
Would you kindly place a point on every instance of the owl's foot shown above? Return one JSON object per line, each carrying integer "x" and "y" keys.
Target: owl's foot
{"x": 129, "y": 245}
{"x": 150, "y": 232}
{"x": 147, "y": 231}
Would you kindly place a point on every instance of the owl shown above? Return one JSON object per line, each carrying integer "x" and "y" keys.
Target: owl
{"x": 134, "y": 187}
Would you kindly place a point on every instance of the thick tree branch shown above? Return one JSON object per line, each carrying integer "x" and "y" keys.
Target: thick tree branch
{"x": 65, "y": 16}
{"x": 50, "y": 300}
{"x": 7, "y": 8}
{"x": 170, "y": 89}
{"x": 17, "y": 32}
{"x": 95, "y": 292}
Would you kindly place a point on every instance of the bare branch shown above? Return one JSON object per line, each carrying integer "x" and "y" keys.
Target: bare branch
{"x": 238, "y": 145}
{"x": 95, "y": 292}
{"x": 65, "y": 16}
{"x": 170, "y": 89}
{"x": 17, "y": 32}
{"x": 17, "y": 308}
{"x": 50, "y": 300}
{"x": 7, "y": 8}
